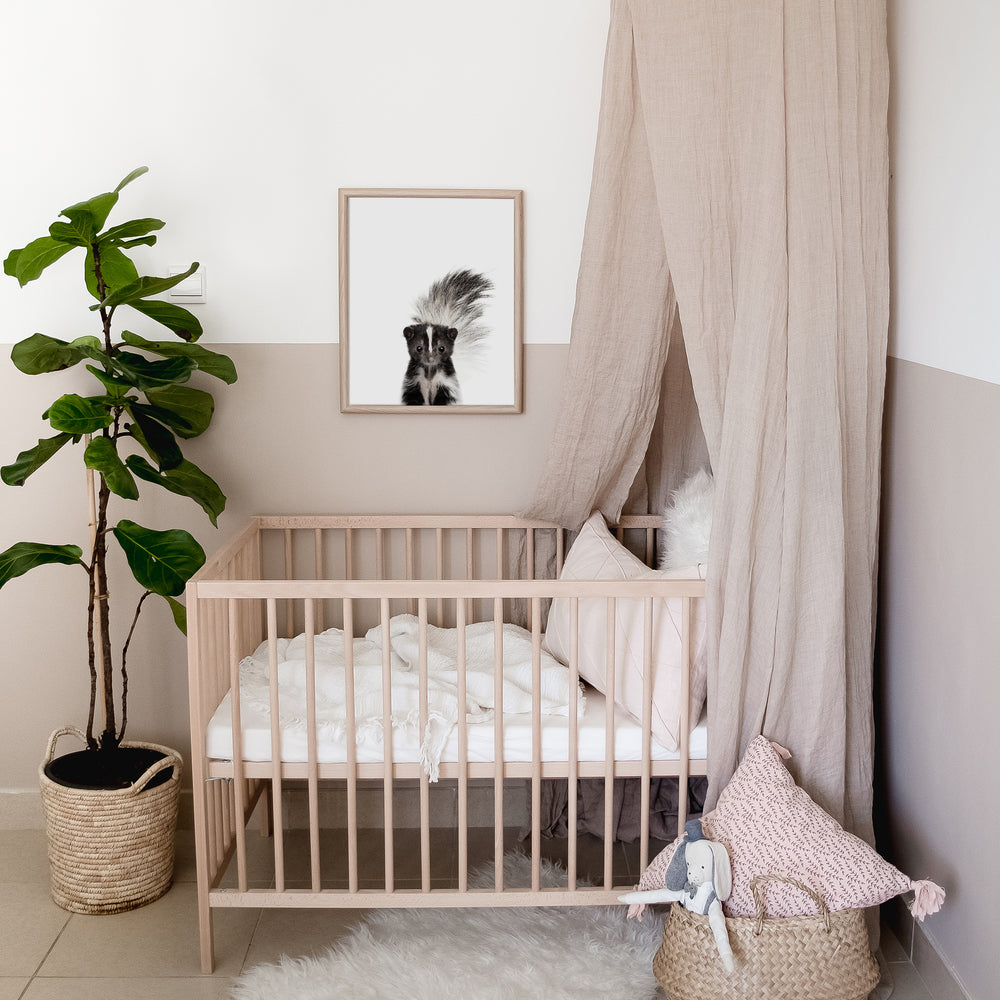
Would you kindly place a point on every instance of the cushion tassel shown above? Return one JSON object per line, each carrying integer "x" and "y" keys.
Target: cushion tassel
{"x": 928, "y": 898}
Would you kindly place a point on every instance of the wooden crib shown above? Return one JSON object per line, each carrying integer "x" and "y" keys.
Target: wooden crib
{"x": 285, "y": 576}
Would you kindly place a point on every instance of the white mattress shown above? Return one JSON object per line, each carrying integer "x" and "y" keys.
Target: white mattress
{"x": 406, "y": 745}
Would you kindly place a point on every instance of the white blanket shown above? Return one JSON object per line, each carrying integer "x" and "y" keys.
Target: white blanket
{"x": 442, "y": 681}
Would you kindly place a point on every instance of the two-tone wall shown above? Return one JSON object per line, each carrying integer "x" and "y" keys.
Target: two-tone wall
{"x": 939, "y": 632}
{"x": 251, "y": 115}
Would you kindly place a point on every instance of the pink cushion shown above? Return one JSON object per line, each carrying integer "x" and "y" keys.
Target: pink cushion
{"x": 597, "y": 555}
{"x": 771, "y": 826}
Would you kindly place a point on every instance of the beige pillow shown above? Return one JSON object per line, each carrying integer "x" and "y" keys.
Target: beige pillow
{"x": 598, "y": 555}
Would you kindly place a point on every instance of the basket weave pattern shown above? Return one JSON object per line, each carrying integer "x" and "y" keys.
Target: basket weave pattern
{"x": 111, "y": 850}
{"x": 823, "y": 957}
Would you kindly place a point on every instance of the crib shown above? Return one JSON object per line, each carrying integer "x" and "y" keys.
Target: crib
{"x": 353, "y": 804}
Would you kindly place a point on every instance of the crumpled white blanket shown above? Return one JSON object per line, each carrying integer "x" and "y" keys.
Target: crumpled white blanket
{"x": 442, "y": 682}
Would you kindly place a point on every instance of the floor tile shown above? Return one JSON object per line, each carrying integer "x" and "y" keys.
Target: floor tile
{"x": 12, "y": 987}
{"x": 298, "y": 932}
{"x": 179, "y": 988}
{"x": 24, "y": 857}
{"x": 160, "y": 939}
{"x": 29, "y": 923}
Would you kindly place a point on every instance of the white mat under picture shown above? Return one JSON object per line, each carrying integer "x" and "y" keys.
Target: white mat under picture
{"x": 532, "y": 953}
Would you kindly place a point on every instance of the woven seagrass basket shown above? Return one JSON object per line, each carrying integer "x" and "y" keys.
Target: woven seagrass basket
{"x": 111, "y": 850}
{"x": 822, "y": 957}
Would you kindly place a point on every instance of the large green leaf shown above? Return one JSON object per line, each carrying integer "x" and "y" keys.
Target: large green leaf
{"x": 159, "y": 443}
{"x": 209, "y": 362}
{"x": 76, "y": 415}
{"x": 40, "y": 353}
{"x": 128, "y": 178}
{"x": 24, "y": 556}
{"x": 186, "y": 480}
{"x": 162, "y": 561}
{"x": 144, "y": 287}
{"x": 129, "y": 231}
{"x": 33, "y": 459}
{"x": 28, "y": 263}
{"x": 117, "y": 270}
{"x": 186, "y": 411}
{"x": 102, "y": 457}
{"x": 148, "y": 374}
{"x": 77, "y": 233}
{"x": 87, "y": 218}
{"x": 179, "y": 612}
{"x": 176, "y": 318}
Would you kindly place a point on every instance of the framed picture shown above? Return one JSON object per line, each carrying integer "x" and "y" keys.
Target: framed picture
{"x": 430, "y": 301}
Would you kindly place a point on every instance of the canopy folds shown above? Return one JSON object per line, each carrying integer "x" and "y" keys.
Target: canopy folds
{"x": 740, "y": 186}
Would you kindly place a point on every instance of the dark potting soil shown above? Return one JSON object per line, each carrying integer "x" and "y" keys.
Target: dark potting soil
{"x": 118, "y": 768}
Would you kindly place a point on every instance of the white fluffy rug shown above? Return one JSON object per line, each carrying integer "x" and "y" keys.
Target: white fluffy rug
{"x": 553, "y": 953}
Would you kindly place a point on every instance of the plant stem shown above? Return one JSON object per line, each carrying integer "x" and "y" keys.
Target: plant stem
{"x": 128, "y": 639}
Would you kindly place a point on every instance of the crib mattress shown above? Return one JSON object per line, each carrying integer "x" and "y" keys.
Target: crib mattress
{"x": 517, "y": 739}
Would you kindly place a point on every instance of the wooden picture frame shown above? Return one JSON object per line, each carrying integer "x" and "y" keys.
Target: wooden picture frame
{"x": 431, "y": 295}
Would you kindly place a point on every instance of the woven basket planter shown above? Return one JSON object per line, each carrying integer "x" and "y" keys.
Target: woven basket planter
{"x": 111, "y": 850}
{"x": 823, "y": 957}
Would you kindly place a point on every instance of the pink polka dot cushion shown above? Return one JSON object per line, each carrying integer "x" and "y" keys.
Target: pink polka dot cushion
{"x": 770, "y": 826}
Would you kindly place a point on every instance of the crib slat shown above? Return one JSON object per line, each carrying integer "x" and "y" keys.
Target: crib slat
{"x": 312, "y": 750}
{"x": 351, "y": 738}
{"x": 387, "y": 811}
{"x": 498, "y": 768}
{"x": 425, "y": 819}
{"x": 647, "y": 726}
{"x": 320, "y": 572}
{"x": 275, "y": 786}
{"x": 463, "y": 752}
{"x": 574, "y": 732}
{"x": 536, "y": 742}
{"x": 289, "y": 575}
{"x": 685, "y": 722}
{"x": 609, "y": 745}
{"x": 239, "y": 787}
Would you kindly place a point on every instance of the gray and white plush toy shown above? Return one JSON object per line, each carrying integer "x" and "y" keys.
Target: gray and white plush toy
{"x": 699, "y": 877}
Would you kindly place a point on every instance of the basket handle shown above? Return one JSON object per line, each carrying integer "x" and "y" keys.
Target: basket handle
{"x": 50, "y": 750}
{"x": 139, "y": 785}
{"x": 757, "y": 887}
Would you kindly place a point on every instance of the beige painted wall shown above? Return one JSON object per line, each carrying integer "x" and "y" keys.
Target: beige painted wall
{"x": 279, "y": 444}
{"x": 938, "y": 662}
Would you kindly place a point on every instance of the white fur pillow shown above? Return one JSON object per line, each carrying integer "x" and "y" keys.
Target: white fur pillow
{"x": 687, "y": 523}
{"x": 597, "y": 555}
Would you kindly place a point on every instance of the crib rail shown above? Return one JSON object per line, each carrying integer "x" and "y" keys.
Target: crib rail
{"x": 290, "y": 575}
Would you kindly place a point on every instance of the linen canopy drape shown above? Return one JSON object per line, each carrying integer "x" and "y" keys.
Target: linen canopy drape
{"x": 740, "y": 187}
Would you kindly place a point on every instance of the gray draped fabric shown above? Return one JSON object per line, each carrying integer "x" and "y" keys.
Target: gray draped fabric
{"x": 740, "y": 185}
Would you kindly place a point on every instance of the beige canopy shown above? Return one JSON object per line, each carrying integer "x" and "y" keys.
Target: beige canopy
{"x": 732, "y": 308}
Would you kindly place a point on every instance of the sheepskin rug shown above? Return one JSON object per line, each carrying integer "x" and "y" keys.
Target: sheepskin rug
{"x": 553, "y": 953}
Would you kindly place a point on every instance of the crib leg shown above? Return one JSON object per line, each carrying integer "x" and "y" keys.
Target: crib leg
{"x": 206, "y": 934}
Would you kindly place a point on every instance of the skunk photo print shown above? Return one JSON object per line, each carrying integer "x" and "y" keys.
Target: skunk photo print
{"x": 446, "y": 337}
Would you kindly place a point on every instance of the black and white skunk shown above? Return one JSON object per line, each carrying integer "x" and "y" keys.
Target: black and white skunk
{"x": 446, "y": 335}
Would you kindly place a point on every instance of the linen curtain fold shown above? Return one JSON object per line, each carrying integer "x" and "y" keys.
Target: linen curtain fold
{"x": 739, "y": 201}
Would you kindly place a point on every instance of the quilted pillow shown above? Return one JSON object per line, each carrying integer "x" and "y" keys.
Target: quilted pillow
{"x": 597, "y": 555}
{"x": 771, "y": 826}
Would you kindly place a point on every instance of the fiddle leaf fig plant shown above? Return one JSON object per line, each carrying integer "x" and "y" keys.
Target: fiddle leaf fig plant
{"x": 130, "y": 426}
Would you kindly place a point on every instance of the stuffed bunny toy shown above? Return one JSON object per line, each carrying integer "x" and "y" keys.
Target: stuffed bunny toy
{"x": 699, "y": 877}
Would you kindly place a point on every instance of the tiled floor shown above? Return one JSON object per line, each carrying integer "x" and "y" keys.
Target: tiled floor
{"x": 49, "y": 954}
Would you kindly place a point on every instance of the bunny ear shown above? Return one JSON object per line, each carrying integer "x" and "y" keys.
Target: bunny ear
{"x": 723, "y": 870}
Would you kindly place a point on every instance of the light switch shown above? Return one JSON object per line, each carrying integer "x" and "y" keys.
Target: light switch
{"x": 191, "y": 289}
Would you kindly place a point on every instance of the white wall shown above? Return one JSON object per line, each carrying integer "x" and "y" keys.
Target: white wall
{"x": 945, "y": 140}
{"x": 251, "y": 115}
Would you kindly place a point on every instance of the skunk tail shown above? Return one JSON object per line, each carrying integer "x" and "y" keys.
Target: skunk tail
{"x": 458, "y": 300}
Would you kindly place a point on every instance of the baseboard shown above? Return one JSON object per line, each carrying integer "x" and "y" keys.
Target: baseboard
{"x": 935, "y": 971}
